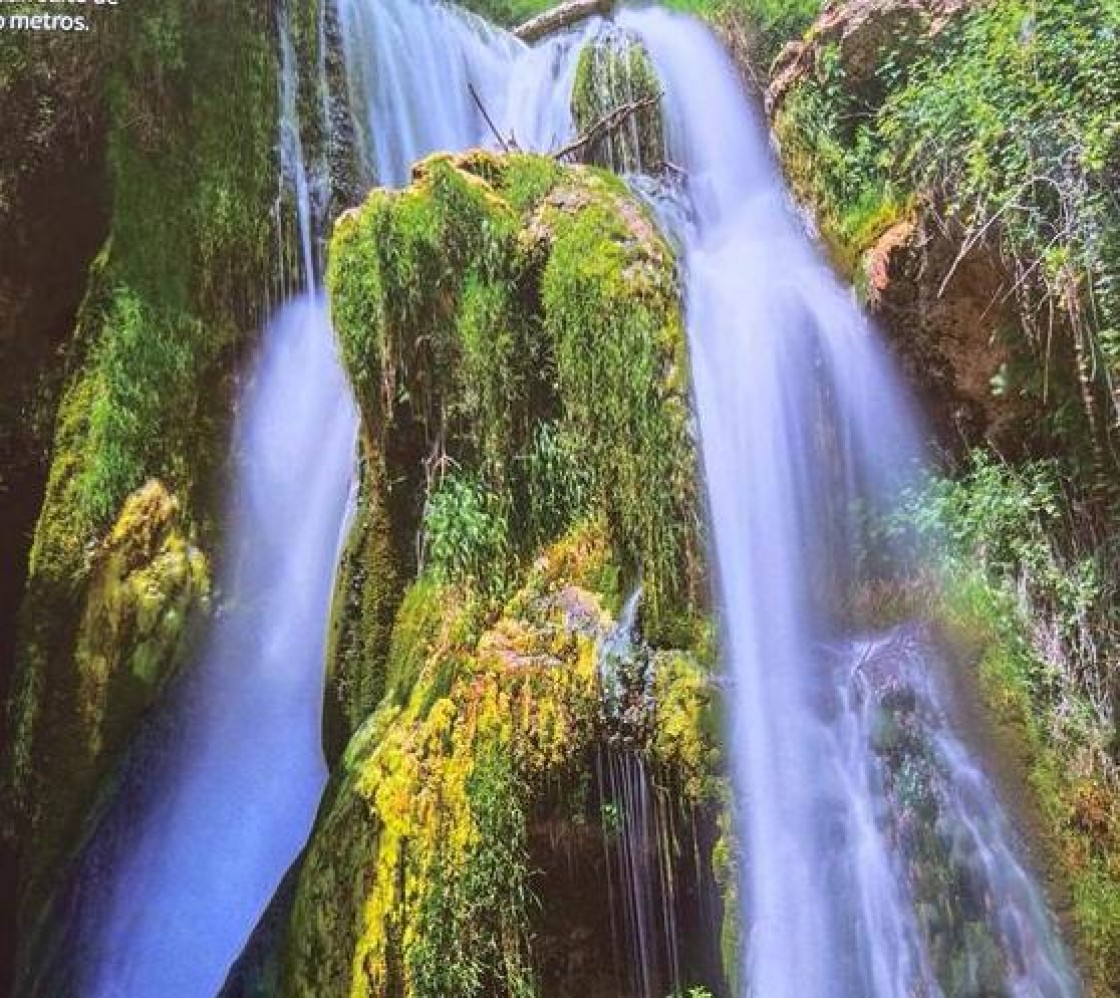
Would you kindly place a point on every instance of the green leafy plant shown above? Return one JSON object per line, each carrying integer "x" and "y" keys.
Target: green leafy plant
{"x": 465, "y": 533}
{"x": 765, "y": 25}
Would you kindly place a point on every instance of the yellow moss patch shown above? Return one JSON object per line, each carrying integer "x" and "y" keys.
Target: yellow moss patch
{"x": 146, "y": 582}
{"x": 482, "y": 721}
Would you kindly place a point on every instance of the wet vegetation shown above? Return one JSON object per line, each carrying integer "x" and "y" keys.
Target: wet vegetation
{"x": 512, "y": 331}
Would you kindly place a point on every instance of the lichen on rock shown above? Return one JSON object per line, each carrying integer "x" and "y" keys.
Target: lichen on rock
{"x": 147, "y": 581}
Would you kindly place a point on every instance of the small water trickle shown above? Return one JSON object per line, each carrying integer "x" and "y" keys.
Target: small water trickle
{"x": 640, "y": 826}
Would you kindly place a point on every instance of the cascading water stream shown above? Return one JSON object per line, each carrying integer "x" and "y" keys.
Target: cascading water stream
{"x": 218, "y": 796}
{"x": 801, "y": 422}
{"x": 410, "y": 70}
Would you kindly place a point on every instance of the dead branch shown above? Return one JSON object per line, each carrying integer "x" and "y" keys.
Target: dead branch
{"x": 506, "y": 145}
{"x": 606, "y": 125}
{"x": 563, "y": 16}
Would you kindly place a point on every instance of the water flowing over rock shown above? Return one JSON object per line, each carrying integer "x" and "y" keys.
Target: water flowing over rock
{"x": 616, "y": 103}
{"x": 531, "y": 669}
{"x": 810, "y": 427}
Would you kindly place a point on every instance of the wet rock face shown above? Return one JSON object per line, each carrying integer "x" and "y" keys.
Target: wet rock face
{"x": 947, "y": 313}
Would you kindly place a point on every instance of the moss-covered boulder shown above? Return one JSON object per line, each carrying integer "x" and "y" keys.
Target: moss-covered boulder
{"x": 426, "y": 874}
{"x": 146, "y": 582}
{"x": 512, "y": 331}
{"x": 616, "y": 105}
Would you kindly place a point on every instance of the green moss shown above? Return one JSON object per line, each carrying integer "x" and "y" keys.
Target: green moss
{"x": 621, "y": 365}
{"x": 439, "y": 769}
{"x": 190, "y": 98}
{"x": 513, "y": 333}
{"x": 726, "y": 867}
{"x": 685, "y": 726}
{"x": 367, "y": 593}
{"x": 512, "y": 330}
{"x": 615, "y": 71}
{"x": 417, "y": 880}
{"x": 527, "y": 180}
{"x": 147, "y": 581}
{"x": 834, "y": 157}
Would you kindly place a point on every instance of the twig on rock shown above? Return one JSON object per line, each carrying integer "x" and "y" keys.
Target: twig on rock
{"x": 606, "y": 125}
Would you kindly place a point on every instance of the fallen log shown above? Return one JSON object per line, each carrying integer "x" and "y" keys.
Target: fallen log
{"x": 562, "y": 16}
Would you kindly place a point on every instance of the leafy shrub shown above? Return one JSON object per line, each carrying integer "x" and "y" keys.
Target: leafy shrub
{"x": 557, "y": 485}
{"x": 1013, "y": 120}
{"x": 465, "y": 532}
{"x": 768, "y": 24}
{"x": 1016, "y": 528}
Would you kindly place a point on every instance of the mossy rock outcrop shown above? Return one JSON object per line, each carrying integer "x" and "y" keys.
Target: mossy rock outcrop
{"x": 616, "y": 105}
{"x": 512, "y": 329}
{"x": 513, "y": 334}
{"x": 147, "y": 580}
{"x": 181, "y": 120}
{"x": 429, "y": 873}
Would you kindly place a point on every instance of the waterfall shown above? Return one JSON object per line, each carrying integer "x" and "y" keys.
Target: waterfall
{"x": 639, "y": 830}
{"x": 801, "y": 422}
{"x": 219, "y": 794}
{"x": 411, "y": 66}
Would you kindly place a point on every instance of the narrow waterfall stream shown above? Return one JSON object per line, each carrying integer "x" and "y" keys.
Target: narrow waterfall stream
{"x": 220, "y": 793}
{"x": 800, "y": 420}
